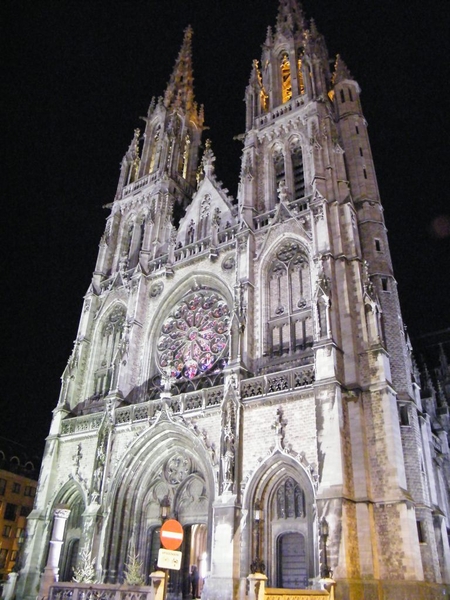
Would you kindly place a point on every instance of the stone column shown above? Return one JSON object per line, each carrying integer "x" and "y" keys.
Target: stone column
{"x": 51, "y": 571}
{"x": 9, "y": 589}
{"x": 257, "y": 586}
{"x": 223, "y": 583}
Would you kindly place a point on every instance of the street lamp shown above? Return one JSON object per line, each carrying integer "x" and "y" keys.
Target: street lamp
{"x": 164, "y": 508}
{"x": 325, "y": 572}
{"x": 257, "y": 565}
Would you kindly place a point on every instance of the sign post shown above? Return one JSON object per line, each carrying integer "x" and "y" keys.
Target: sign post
{"x": 171, "y": 536}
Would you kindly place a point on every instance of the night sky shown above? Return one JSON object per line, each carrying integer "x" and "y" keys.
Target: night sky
{"x": 79, "y": 74}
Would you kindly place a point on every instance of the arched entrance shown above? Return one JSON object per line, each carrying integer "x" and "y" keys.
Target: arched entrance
{"x": 72, "y": 499}
{"x": 175, "y": 476}
{"x": 287, "y": 532}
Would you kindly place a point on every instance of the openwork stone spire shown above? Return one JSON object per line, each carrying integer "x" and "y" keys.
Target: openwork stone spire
{"x": 180, "y": 89}
{"x": 290, "y": 17}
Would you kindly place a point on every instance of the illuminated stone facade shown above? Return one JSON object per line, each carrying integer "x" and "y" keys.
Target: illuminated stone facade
{"x": 245, "y": 363}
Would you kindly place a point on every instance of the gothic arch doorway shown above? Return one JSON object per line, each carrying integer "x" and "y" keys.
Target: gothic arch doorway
{"x": 286, "y": 529}
{"x": 158, "y": 474}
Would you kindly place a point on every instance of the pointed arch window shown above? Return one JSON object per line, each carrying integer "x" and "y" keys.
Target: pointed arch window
{"x": 279, "y": 168}
{"x": 127, "y": 236}
{"x": 301, "y": 82}
{"x": 108, "y": 351}
{"x": 290, "y": 500}
{"x": 154, "y": 156}
{"x": 286, "y": 82}
{"x": 187, "y": 145}
{"x": 298, "y": 173}
{"x": 289, "y": 320}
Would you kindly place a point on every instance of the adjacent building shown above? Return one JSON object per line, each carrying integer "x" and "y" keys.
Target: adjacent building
{"x": 18, "y": 482}
{"x": 243, "y": 364}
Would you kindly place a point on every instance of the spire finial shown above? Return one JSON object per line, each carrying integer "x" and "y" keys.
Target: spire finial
{"x": 341, "y": 71}
{"x": 180, "y": 89}
{"x": 290, "y": 17}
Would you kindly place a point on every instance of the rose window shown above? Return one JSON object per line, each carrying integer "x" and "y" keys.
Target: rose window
{"x": 195, "y": 335}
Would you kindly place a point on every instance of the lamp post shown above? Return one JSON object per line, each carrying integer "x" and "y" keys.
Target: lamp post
{"x": 164, "y": 509}
{"x": 257, "y": 565}
{"x": 325, "y": 572}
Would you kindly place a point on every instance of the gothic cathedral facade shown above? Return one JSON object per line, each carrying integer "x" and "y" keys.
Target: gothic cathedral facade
{"x": 244, "y": 365}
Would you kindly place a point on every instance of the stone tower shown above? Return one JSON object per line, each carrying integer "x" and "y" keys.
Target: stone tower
{"x": 244, "y": 365}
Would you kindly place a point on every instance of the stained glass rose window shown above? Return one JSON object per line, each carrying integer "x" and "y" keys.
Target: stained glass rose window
{"x": 195, "y": 335}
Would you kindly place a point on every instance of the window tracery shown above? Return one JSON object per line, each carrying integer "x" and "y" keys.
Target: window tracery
{"x": 290, "y": 500}
{"x": 279, "y": 169}
{"x": 110, "y": 338}
{"x": 298, "y": 172}
{"x": 155, "y": 150}
{"x": 194, "y": 337}
{"x": 289, "y": 301}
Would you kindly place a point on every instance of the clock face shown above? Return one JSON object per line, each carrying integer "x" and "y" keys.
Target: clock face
{"x": 195, "y": 335}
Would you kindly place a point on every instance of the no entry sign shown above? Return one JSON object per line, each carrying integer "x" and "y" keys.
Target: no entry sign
{"x": 171, "y": 534}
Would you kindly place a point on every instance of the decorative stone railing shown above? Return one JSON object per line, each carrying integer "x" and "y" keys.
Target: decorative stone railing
{"x": 277, "y": 382}
{"x": 298, "y": 205}
{"x": 281, "y": 110}
{"x": 81, "y": 424}
{"x": 99, "y": 591}
{"x": 140, "y": 183}
{"x": 200, "y": 400}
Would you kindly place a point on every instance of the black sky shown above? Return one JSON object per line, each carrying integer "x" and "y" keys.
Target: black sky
{"x": 77, "y": 77}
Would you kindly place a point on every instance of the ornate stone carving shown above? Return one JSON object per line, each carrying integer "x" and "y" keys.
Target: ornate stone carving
{"x": 195, "y": 335}
{"x": 156, "y": 289}
{"x": 228, "y": 263}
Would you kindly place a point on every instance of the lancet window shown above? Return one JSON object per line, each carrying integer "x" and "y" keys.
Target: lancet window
{"x": 301, "y": 82}
{"x": 280, "y": 171}
{"x": 127, "y": 236}
{"x": 155, "y": 149}
{"x": 298, "y": 173}
{"x": 108, "y": 350}
{"x": 289, "y": 325}
{"x": 286, "y": 82}
{"x": 187, "y": 144}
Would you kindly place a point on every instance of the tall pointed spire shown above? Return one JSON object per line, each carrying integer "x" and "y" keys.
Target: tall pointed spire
{"x": 180, "y": 89}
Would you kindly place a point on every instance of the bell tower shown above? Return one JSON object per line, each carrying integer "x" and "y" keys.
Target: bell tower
{"x": 162, "y": 165}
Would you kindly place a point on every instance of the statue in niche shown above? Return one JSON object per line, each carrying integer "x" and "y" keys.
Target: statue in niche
{"x": 228, "y": 457}
{"x": 228, "y": 449}
{"x": 282, "y": 191}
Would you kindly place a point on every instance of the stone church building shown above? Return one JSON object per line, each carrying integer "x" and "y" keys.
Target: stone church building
{"x": 243, "y": 364}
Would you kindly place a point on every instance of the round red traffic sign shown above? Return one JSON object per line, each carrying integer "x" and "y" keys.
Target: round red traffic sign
{"x": 171, "y": 534}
